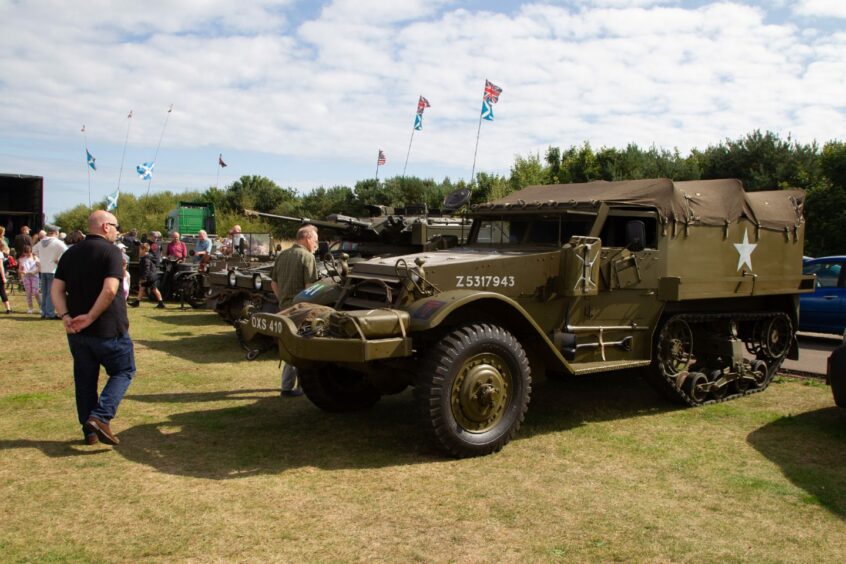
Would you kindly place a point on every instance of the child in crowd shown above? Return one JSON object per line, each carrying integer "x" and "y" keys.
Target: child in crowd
{"x": 28, "y": 268}
{"x": 148, "y": 273}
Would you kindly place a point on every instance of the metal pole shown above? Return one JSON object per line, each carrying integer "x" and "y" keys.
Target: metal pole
{"x": 476, "y": 150}
{"x": 125, "y": 141}
{"x": 409, "y": 152}
{"x": 87, "y": 166}
{"x": 156, "y": 156}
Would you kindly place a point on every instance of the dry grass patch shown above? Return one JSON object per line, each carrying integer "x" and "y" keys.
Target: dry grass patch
{"x": 214, "y": 465}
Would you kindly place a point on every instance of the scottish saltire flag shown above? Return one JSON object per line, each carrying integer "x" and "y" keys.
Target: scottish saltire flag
{"x": 111, "y": 200}
{"x": 92, "y": 162}
{"x": 422, "y": 104}
{"x": 145, "y": 171}
{"x": 492, "y": 91}
{"x": 418, "y": 122}
{"x": 487, "y": 109}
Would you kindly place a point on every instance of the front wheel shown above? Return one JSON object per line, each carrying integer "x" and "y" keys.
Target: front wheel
{"x": 473, "y": 390}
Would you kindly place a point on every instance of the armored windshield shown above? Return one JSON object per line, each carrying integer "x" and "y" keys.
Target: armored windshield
{"x": 540, "y": 230}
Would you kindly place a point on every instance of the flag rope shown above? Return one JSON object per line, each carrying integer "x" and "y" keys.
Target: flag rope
{"x": 156, "y": 156}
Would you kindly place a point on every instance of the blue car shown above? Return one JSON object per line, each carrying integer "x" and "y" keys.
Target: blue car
{"x": 824, "y": 311}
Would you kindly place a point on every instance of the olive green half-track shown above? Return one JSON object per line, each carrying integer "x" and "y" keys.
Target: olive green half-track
{"x": 694, "y": 283}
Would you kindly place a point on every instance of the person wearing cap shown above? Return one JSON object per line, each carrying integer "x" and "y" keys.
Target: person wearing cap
{"x": 88, "y": 280}
{"x": 48, "y": 250}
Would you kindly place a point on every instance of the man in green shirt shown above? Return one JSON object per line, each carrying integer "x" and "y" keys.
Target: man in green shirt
{"x": 295, "y": 268}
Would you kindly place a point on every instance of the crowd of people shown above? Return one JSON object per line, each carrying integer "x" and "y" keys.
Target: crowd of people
{"x": 31, "y": 260}
{"x": 82, "y": 280}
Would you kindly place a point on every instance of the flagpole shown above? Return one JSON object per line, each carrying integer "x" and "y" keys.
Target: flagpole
{"x": 377, "y": 169}
{"x": 125, "y": 141}
{"x": 217, "y": 180}
{"x": 156, "y": 156}
{"x": 476, "y": 150}
{"x": 409, "y": 151}
{"x": 87, "y": 166}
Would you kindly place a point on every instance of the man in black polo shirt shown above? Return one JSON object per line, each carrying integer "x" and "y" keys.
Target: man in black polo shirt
{"x": 88, "y": 278}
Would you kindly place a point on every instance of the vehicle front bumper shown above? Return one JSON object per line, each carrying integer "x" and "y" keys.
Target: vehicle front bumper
{"x": 301, "y": 350}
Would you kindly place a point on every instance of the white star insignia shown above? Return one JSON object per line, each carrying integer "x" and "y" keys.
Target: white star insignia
{"x": 745, "y": 249}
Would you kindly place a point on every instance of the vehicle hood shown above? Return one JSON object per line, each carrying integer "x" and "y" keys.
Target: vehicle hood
{"x": 386, "y": 267}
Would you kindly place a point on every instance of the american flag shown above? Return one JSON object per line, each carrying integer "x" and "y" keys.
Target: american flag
{"x": 492, "y": 91}
{"x": 380, "y": 160}
{"x": 422, "y": 104}
{"x": 220, "y": 162}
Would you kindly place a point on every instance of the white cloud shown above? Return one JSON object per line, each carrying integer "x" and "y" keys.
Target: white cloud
{"x": 345, "y": 82}
{"x": 821, "y": 8}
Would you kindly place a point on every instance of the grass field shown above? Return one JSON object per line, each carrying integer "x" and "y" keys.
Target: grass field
{"x": 215, "y": 466}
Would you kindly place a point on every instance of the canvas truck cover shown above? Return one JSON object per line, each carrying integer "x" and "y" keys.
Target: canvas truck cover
{"x": 706, "y": 202}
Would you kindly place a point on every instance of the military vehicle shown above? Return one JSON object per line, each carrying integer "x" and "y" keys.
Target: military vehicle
{"x": 384, "y": 234}
{"x": 231, "y": 281}
{"x": 388, "y": 231}
{"x": 695, "y": 283}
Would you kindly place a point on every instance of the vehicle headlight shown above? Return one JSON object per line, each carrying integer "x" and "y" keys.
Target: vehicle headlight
{"x": 232, "y": 279}
{"x": 257, "y": 281}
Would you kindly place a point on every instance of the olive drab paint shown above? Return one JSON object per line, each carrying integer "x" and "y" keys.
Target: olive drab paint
{"x": 695, "y": 282}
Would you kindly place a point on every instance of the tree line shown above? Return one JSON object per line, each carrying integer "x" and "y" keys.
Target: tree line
{"x": 761, "y": 160}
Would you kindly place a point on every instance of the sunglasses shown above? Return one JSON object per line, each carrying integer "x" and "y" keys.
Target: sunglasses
{"x": 115, "y": 225}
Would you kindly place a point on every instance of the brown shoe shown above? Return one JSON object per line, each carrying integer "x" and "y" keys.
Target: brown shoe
{"x": 91, "y": 439}
{"x": 103, "y": 431}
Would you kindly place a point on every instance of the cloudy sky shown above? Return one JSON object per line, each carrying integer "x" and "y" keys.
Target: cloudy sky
{"x": 306, "y": 92}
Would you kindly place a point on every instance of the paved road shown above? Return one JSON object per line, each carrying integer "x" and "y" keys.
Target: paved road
{"x": 814, "y": 349}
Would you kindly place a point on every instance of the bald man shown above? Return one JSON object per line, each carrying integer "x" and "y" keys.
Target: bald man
{"x": 88, "y": 278}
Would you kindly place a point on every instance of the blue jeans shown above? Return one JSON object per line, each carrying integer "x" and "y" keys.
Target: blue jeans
{"x": 46, "y": 301}
{"x": 117, "y": 356}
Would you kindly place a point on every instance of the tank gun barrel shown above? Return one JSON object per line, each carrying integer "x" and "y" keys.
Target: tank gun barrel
{"x": 338, "y": 222}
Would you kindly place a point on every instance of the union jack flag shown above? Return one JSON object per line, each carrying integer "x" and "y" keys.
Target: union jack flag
{"x": 380, "y": 160}
{"x": 422, "y": 104}
{"x": 492, "y": 91}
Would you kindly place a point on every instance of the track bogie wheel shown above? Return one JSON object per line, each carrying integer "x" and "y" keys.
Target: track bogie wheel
{"x": 473, "y": 389}
{"x": 718, "y": 392}
{"x": 696, "y": 385}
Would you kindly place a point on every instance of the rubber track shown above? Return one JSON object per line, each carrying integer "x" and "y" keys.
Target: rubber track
{"x": 667, "y": 383}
